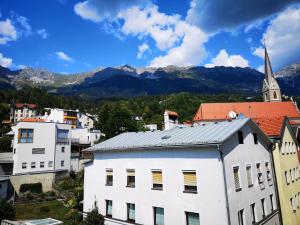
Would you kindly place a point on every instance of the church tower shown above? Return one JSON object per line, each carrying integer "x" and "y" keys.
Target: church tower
{"x": 271, "y": 90}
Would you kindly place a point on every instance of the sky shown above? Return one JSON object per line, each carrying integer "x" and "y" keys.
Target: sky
{"x": 70, "y": 36}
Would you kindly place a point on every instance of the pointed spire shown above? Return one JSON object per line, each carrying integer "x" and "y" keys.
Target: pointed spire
{"x": 268, "y": 67}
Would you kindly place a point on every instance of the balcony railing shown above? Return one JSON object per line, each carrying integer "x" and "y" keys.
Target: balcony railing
{"x": 80, "y": 141}
{"x": 63, "y": 141}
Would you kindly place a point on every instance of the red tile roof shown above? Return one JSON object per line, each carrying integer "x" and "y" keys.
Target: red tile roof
{"x": 219, "y": 111}
{"x": 21, "y": 105}
{"x": 270, "y": 126}
{"x": 172, "y": 113}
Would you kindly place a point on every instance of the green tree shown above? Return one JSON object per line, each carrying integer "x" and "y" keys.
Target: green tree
{"x": 5, "y": 144}
{"x": 94, "y": 218}
{"x": 7, "y": 210}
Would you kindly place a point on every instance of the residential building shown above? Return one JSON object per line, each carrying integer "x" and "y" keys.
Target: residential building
{"x": 170, "y": 119}
{"x": 22, "y": 110}
{"x": 62, "y": 116}
{"x": 41, "y": 152}
{"x": 86, "y": 120}
{"x": 217, "y": 173}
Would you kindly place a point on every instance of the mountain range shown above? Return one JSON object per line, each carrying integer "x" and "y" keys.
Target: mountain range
{"x": 126, "y": 81}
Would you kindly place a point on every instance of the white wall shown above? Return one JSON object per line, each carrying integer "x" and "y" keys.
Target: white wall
{"x": 56, "y": 115}
{"x": 85, "y": 136}
{"x": 44, "y": 136}
{"x": 209, "y": 202}
{"x": 242, "y": 155}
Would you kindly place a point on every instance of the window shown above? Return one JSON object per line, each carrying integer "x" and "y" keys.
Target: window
{"x": 269, "y": 175}
{"x": 131, "y": 212}
{"x": 109, "y": 177}
{"x": 241, "y": 217}
{"x": 158, "y": 216}
{"x": 38, "y": 151}
{"x": 62, "y": 163}
{"x": 241, "y": 138}
{"x": 190, "y": 181}
{"x": 62, "y": 136}
{"x": 287, "y": 179}
{"x": 42, "y": 164}
{"x": 259, "y": 174}
{"x": 293, "y": 204}
{"x": 157, "y": 180}
{"x": 274, "y": 95}
{"x": 192, "y": 218}
{"x": 284, "y": 148}
{"x": 253, "y": 213}
{"x": 63, "y": 149}
{"x": 108, "y": 208}
{"x": 272, "y": 202}
{"x": 14, "y": 151}
{"x": 32, "y": 164}
{"x": 25, "y": 136}
{"x": 292, "y": 175}
{"x": 24, "y": 165}
{"x": 130, "y": 178}
{"x": 263, "y": 207}
{"x": 236, "y": 175}
{"x": 255, "y": 138}
{"x": 249, "y": 175}
{"x": 50, "y": 164}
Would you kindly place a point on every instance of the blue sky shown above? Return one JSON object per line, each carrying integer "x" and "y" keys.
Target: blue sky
{"x": 72, "y": 36}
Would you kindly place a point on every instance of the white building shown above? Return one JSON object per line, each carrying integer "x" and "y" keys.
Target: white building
{"x": 86, "y": 120}
{"x": 41, "y": 147}
{"x": 20, "y": 111}
{"x": 219, "y": 174}
{"x": 170, "y": 119}
{"x": 62, "y": 116}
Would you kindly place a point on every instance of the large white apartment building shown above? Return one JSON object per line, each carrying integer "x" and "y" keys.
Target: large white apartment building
{"x": 40, "y": 147}
{"x": 216, "y": 174}
{"x": 20, "y": 111}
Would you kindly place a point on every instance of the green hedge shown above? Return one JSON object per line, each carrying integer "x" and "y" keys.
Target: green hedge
{"x": 33, "y": 187}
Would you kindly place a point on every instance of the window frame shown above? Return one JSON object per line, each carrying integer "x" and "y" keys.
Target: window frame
{"x": 157, "y": 186}
{"x": 255, "y": 138}
{"x": 253, "y": 212}
{"x": 27, "y": 137}
{"x": 33, "y": 165}
{"x": 128, "y": 212}
{"x": 251, "y": 184}
{"x": 106, "y": 208}
{"x": 154, "y": 215}
{"x": 193, "y": 189}
{"x": 24, "y": 163}
{"x": 239, "y": 188}
{"x": 191, "y": 213}
{"x": 241, "y": 217}
{"x": 130, "y": 183}
{"x": 240, "y": 137}
{"x": 109, "y": 182}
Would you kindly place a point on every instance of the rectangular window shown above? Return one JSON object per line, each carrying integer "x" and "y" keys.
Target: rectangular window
{"x": 62, "y": 136}
{"x": 158, "y": 216}
{"x": 130, "y": 178}
{"x": 62, "y": 163}
{"x": 25, "y": 136}
{"x": 241, "y": 137}
{"x": 108, "y": 208}
{"x": 24, "y": 165}
{"x": 38, "y": 151}
{"x": 253, "y": 213}
{"x": 157, "y": 180}
{"x": 236, "y": 175}
{"x": 269, "y": 175}
{"x": 293, "y": 205}
{"x": 292, "y": 175}
{"x": 131, "y": 212}
{"x": 192, "y": 218}
{"x": 255, "y": 138}
{"x": 63, "y": 149}
{"x": 33, "y": 165}
{"x": 287, "y": 179}
{"x": 42, "y": 164}
{"x": 241, "y": 217}
{"x": 263, "y": 207}
{"x": 249, "y": 175}
{"x": 50, "y": 164}
{"x": 109, "y": 177}
{"x": 272, "y": 202}
{"x": 259, "y": 174}
{"x": 190, "y": 181}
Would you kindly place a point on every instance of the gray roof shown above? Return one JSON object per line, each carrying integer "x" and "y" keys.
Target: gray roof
{"x": 211, "y": 133}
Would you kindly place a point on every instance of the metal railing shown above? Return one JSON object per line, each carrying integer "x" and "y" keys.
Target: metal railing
{"x": 65, "y": 141}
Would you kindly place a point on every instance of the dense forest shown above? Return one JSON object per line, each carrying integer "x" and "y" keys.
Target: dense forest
{"x": 118, "y": 114}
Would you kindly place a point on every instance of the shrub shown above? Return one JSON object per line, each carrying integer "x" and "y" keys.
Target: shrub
{"x": 44, "y": 209}
{"x": 73, "y": 218}
{"x": 73, "y": 175}
{"x": 72, "y": 203}
{"x": 7, "y": 210}
{"x": 32, "y": 187}
{"x": 79, "y": 194}
{"x": 94, "y": 218}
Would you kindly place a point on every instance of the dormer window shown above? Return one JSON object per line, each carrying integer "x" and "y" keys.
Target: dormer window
{"x": 275, "y": 95}
{"x": 241, "y": 137}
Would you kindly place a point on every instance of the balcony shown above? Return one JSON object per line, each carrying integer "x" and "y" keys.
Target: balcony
{"x": 63, "y": 141}
{"x": 79, "y": 141}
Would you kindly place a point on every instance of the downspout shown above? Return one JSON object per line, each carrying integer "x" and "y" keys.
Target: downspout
{"x": 225, "y": 185}
{"x": 271, "y": 148}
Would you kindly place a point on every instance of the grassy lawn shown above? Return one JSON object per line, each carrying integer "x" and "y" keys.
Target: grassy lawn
{"x": 32, "y": 211}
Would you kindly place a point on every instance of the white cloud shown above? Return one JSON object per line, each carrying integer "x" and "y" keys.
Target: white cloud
{"x": 5, "y": 62}
{"x": 87, "y": 12}
{"x": 223, "y": 59}
{"x": 261, "y": 68}
{"x": 143, "y": 48}
{"x": 282, "y": 38}
{"x": 63, "y": 56}
{"x": 25, "y": 26}
{"x": 43, "y": 33}
{"x": 182, "y": 42}
{"x": 21, "y": 66}
{"x": 7, "y": 32}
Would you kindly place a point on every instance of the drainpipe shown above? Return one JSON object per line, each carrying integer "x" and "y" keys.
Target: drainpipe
{"x": 271, "y": 148}
{"x": 225, "y": 185}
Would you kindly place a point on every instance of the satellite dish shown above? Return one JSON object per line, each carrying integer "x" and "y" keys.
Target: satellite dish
{"x": 232, "y": 114}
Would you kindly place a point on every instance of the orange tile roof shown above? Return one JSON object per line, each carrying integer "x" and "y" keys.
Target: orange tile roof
{"x": 219, "y": 111}
{"x": 270, "y": 126}
{"x": 32, "y": 120}
{"x": 172, "y": 113}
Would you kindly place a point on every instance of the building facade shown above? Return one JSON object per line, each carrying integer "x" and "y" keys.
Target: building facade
{"x": 20, "y": 111}
{"x": 185, "y": 175}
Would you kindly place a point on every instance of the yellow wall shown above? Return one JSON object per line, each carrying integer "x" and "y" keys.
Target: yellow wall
{"x": 286, "y": 162}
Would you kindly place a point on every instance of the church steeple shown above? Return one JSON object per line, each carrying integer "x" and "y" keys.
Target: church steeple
{"x": 271, "y": 90}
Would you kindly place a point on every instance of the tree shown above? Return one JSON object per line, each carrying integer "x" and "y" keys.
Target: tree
{"x": 94, "y": 218}
{"x": 7, "y": 210}
{"x": 5, "y": 144}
